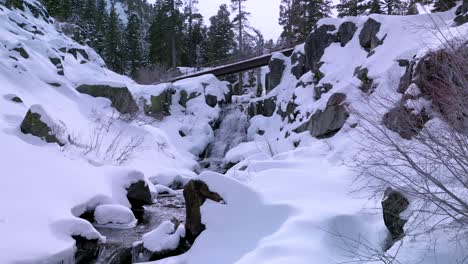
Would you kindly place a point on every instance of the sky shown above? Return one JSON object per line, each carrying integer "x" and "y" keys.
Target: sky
{"x": 264, "y": 14}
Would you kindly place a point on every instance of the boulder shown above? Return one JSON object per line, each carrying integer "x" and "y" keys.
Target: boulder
{"x": 23, "y": 53}
{"x": 346, "y": 32}
{"x": 407, "y": 78}
{"x": 121, "y": 98}
{"x": 75, "y": 52}
{"x": 403, "y": 121}
{"x": 393, "y": 204}
{"x": 139, "y": 194}
{"x": 211, "y": 100}
{"x": 195, "y": 194}
{"x": 298, "y": 60}
{"x": 87, "y": 251}
{"x": 326, "y": 123}
{"x": 276, "y": 66}
{"x": 32, "y": 124}
{"x": 461, "y": 14}
{"x": 16, "y": 99}
{"x": 160, "y": 105}
{"x": 368, "y": 36}
{"x": 316, "y": 43}
{"x": 290, "y": 112}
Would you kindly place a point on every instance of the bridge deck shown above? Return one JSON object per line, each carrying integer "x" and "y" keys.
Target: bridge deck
{"x": 236, "y": 67}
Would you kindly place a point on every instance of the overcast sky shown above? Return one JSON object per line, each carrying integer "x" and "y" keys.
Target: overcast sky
{"x": 264, "y": 14}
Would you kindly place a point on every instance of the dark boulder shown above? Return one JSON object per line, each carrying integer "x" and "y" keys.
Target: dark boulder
{"x": 275, "y": 75}
{"x": 139, "y": 194}
{"x": 403, "y": 121}
{"x": 23, "y": 53}
{"x": 393, "y": 204}
{"x": 346, "y": 32}
{"x": 316, "y": 43}
{"x": 461, "y": 14}
{"x": 195, "y": 194}
{"x": 326, "y": 123}
{"x": 407, "y": 78}
{"x": 368, "y": 36}
{"x": 121, "y": 98}
{"x": 299, "y": 65}
{"x": 160, "y": 105}
{"x": 87, "y": 250}
{"x": 264, "y": 107}
{"x": 290, "y": 112}
{"x": 16, "y": 99}
{"x": 32, "y": 124}
{"x": 211, "y": 100}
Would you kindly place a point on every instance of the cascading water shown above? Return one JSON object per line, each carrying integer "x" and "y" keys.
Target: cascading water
{"x": 231, "y": 132}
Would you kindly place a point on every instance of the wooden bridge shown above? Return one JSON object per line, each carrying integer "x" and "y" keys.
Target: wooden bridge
{"x": 235, "y": 67}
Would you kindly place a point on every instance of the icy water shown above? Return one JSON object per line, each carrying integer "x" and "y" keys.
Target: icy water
{"x": 231, "y": 132}
{"x": 119, "y": 247}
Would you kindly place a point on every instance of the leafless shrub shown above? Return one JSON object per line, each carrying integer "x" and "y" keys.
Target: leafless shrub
{"x": 156, "y": 73}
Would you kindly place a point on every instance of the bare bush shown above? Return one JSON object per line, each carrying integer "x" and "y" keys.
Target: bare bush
{"x": 431, "y": 166}
{"x": 156, "y": 73}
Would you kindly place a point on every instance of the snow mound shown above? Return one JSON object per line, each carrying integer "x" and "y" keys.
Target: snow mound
{"x": 165, "y": 237}
{"x": 114, "y": 215}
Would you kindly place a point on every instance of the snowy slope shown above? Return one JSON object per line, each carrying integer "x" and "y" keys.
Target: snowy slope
{"x": 287, "y": 205}
{"x": 44, "y": 187}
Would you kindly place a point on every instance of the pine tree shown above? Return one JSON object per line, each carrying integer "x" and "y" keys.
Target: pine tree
{"x": 220, "y": 41}
{"x": 313, "y": 11}
{"x": 375, "y": 7}
{"x": 133, "y": 44}
{"x": 412, "y": 9}
{"x": 443, "y": 5}
{"x": 194, "y": 33}
{"x": 241, "y": 23}
{"x": 351, "y": 8}
{"x": 113, "y": 43}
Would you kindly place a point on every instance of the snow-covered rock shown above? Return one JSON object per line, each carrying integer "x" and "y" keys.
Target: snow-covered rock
{"x": 166, "y": 237}
{"x": 114, "y": 215}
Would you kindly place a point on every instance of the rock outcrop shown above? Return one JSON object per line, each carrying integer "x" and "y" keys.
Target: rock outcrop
{"x": 326, "y": 123}
{"x": 461, "y": 14}
{"x": 87, "y": 251}
{"x": 195, "y": 194}
{"x": 393, "y": 204}
{"x": 139, "y": 194}
{"x": 346, "y": 32}
{"x": 316, "y": 43}
{"x": 368, "y": 36}
{"x": 299, "y": 64}
{"x": 265, "y": 107}
{"x": 276, "y": 66}
{"x": 367, "y": 84}
{"x": 185, "y": 97}
{"x": 32, "y": 124}
{"x": 160, "y": 105}
{"x": 121, "y": 98}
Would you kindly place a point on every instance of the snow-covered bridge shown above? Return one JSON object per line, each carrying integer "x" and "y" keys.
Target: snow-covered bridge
{"x": 235, "y": 67}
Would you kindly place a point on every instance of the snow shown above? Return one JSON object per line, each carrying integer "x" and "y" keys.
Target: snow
{"x": 165, "y": 237}
{"x": 282, "y": 204}
{"x": 161, "y": 189}
{"x": 114, "y": 215}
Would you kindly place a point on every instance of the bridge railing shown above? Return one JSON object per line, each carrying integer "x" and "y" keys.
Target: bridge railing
{"x": 235, "y": 59}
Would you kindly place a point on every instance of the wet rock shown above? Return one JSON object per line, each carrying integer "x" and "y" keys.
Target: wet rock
{"x": 32, "y": 124}
{"x": 327, "y": 123}
{"x": 298, "y": 60}
{"x": 322, "y": 89}
{"x": 276, "y": 66}
{"x": 393, "y": 204}
{"x": 160, "y": 105}
{"x": 87, "y": 251}
{"x": 368, "y": 36}
{"x": 346, "y": 32}
{"x": 366, "y": 82}
{"x": 195, "y": 194}
{"x": 121, "y": 98}
{"x": 316, "y": 43}
{"x": 139, "y": 194}
{"x": 211, "y": 100}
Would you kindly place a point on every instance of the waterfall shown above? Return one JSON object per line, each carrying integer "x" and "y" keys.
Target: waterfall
{"x": 231, "y": 132}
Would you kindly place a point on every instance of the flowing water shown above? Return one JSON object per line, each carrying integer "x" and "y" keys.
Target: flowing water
{"x": 121, "y": 245}
{"x": 231, "y": 132}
